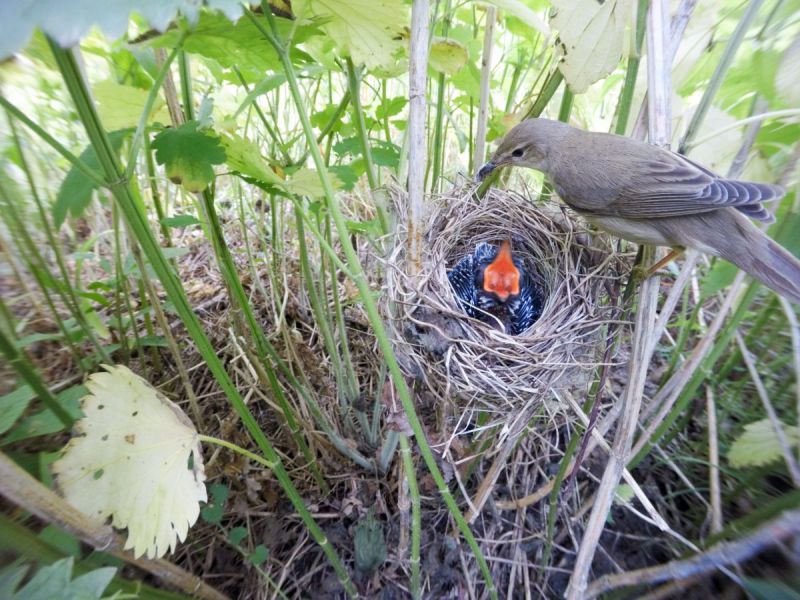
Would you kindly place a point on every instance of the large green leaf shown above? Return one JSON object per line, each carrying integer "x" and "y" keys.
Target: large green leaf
{"x": 67, "y": 23}
{"x": 76, "y": 190}
{"x": 368, "y": 31}
{"x": 55, "y": 581}
{"x": 120, "y": 106}
{"x": 188, "y": 155}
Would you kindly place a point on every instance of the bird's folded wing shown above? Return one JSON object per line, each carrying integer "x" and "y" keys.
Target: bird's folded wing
{"x": 675, "y": 186}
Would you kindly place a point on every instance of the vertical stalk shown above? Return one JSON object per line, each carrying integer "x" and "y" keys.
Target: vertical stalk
{"x": 486, "y": 75}
{"x": 631, "y": 70}
{"x": 354, "y": 83}
{"x": 438, "y": 138}
{"x": 417, "y": 82}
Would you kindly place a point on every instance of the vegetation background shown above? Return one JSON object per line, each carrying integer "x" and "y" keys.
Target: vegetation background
{"x": 206, "y": 195}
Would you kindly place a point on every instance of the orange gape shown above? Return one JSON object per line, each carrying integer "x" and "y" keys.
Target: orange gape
{"x": 501, "y": 277}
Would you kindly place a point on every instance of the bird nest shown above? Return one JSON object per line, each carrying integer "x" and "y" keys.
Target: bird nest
{"x": 460, "y": 357}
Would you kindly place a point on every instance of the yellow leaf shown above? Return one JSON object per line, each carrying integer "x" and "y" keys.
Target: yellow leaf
{"x": 447, "y": 56}
{"x": 131, "y": 460}
{"x": 120, "y": 106}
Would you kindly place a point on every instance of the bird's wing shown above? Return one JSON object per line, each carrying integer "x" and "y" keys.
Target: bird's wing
{"x": 671, "y": 185}
{"x": 462, "y": 280}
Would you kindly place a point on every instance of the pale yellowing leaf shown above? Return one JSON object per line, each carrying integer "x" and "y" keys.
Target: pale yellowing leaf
{"x": 758, "y": 444}
{"x": 305, "y": 182}
{"x": 368, "y": 31}
{"x": 130, "y": 461}
{"x": 120, "y": 106}
{"x": 591, "y": 38}
{"x": 447, "y": 55}
{"x": 244, "y": 156}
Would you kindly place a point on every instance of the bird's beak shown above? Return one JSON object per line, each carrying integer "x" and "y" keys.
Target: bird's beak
{"x": 485, "y": 171}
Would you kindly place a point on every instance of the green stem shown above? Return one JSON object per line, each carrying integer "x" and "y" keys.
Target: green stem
{"x": 132, "y": 208}
{"x": 416, "y": 518}
{"x": 354, "y": 83}
{"x": 368, "y": 301}
{"x": 632, "y": 70}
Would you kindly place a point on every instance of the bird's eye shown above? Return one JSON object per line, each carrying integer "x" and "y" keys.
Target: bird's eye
{"x": 517, "y": 153}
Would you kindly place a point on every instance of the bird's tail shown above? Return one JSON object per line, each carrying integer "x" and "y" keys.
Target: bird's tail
{"x": 765, "y": 260}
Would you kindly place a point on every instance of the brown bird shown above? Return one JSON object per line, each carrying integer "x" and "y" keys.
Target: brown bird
{"x": 650, "y": 195}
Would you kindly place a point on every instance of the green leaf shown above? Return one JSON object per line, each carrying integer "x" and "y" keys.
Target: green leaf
{"x": 12, "y": 405}
{"x": 213, "y": 511}
{"x": 758, "y": 444}
{"x": 370, "y": 544}
{"x": 447, "y": 56}
{"x": 259, "y": 556}
{"x": 305, "y": 182}
{"x": 54, "y": 581}
{"x": 244, "y": 156}
{"x": 390, "y": 107}
{"x": 236, "y": 535}
{"x": 67, "y": 24}
{"x": 591, "y": 37}
{"x": 76, "y": 190}
{"x": 120, "y": 106}
{"x": 269, "y": 83}
{"x": 763, "y": 589}
{"x": 158, "y": 341}
{"x": 238, "y": 44}
{"x": 346, "y": 175}
{"x": 180, "y": 221}
{"x": 719, "y": 277}
{"x": 45, "y": 422}
{"x": 188, "y": 155}
{"x": 368, "y": 31}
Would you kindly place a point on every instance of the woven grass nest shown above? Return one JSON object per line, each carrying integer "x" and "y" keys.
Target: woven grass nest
{"x": 459, "y": 357}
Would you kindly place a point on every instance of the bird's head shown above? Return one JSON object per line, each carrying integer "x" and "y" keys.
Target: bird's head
{"x": 501, "y": 276}
{"x": 526, "y": 145}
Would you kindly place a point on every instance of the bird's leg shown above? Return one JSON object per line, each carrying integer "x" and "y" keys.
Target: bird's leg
{"x": 671, "y": 255}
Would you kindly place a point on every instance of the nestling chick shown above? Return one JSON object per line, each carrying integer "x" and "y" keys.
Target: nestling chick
{"x": 650, "y": 195}
{"x": 493, "y": 286}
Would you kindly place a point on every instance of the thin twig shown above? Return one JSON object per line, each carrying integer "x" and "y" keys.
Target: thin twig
{"x": 725, "y": 553}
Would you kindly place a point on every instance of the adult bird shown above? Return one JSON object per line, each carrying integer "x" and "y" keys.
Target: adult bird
{"x": 493, "y": 286}
{"x": 651, "y": 195}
